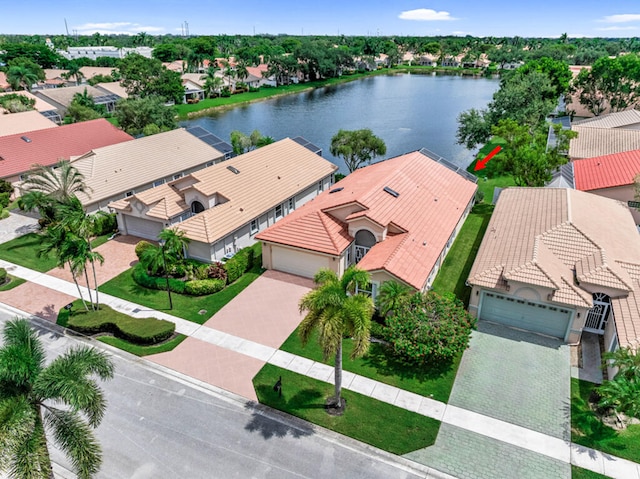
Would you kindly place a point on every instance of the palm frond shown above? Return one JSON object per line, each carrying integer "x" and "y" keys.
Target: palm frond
{"x": 76, "y": 439}
{"x": 30, "y": 459}
{"x": 22, "y": 355}
{"x": 17, "y": 422}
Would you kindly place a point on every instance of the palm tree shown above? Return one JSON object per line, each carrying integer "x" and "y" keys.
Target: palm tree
{"x": 73, "y": 71}
{"x": 29, "y": 394}
{"x": 391, "y": 295}
{"x": 175, "y": 243}
{"x": 59, "y": 182}
{"x": 79, "y": 252}
{"x": 241, "y": 71}
{"x": 212, "y": 82}
{"x": 54, "y": 241}
{"x": 21, "y": 77}
{"x": 84, "y": 226}
{"x": 335, "y": 309}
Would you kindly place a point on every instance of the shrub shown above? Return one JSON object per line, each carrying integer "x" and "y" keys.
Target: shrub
{"x": 4, "y": 214}
{"x": 378, "y": 330}
{"x": 4, "y": 200}
{"x": 3, "y": 275}
{"x": 429, "y": 328}
{"x": 135, "y": 330}
{"x": 204, "y": 286}
{"x": 141, "y": 277}
{"x": 107, "y": 223}
{"x": 217, "y": 271}
{"x": 233, "y": 270}
{"x": 141, "y": 247}
{"x": 241, "y": 262}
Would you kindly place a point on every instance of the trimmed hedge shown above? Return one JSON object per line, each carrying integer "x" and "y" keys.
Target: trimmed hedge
{"x": 4, "y": 200}
{"x": 135, "y": 330}
{"x": 141, "y": 277}
{"x": 200, "y": 287}
{"x": 241, "y": 262}
{"x": 3, "y": 275}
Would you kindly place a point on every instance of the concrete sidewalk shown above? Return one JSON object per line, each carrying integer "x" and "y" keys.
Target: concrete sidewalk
{"x": 521, "y": 437}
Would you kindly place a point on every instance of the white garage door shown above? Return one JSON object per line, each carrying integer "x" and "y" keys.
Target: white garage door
{"x": 297, "y": 262}
{"x": 524, "y": 314}
{"x": 143, "y": 228}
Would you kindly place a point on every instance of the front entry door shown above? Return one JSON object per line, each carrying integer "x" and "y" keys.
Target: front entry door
{"x": 598, "y": 315}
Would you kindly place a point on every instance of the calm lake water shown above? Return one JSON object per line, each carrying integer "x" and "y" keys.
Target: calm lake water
{"x": 408, "y": 112}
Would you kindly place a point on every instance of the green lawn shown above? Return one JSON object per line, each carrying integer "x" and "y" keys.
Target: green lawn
{"x": 184, "y": 306}
{"x": 488, "y": 179}
{"x": 588, "y": 430}
{"x": 379, "y": 364}
{"x": 138, "y": 350}
{"x": 14, "y": 282}
{"x": 24, "y": 252}
{"x": 382, "y": 425}
{"x": 579, "y": 473}
{"x": 456, "y": 266}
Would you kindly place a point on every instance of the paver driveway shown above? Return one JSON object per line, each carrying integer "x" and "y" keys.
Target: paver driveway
{"x": 266, "y": 312}
{"x": 517, "y": 377}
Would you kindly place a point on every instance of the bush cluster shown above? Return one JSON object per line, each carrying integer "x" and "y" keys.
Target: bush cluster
{"x": 4, "y": 200}
{"x": 141, "y": 247}
{"x": 107, "y": 223}
{"x": 3, "y": 275}
{"x": 200, "y": 287}
{"x": 141, "y": 277}
{"x": 217, "y": 271}
{"x": 143, "y": 331}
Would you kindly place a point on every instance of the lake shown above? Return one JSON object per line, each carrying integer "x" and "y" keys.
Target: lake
{"x": 408, "y": 111}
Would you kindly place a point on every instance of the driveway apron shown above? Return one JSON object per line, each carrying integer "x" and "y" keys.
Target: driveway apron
{"x": 517, "y": 377}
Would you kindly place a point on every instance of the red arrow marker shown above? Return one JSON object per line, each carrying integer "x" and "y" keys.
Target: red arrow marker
{"x": 482, "y": 163}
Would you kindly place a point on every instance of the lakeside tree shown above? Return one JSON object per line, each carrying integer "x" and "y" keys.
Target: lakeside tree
{"x": 242, "y": 143}
{"x": 526, "y": 156}
{"x": 357, "y": 147}
{"x": 136, "y": 114}
{"x": 30, "y": 395}
{"x": 334, "y": 309}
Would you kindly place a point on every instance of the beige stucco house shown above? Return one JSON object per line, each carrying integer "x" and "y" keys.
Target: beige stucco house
{"x": 559, "y": 262}
{"x": 122, "y": 170}
{"x": 396, "y": 219}
{"x": 221, "y": 208}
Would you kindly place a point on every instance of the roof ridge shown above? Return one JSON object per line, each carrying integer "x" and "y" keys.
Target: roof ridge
{"x": 588, "y": 299}
{"x": 613, "y": 271}
{"x": 322, "y": 216}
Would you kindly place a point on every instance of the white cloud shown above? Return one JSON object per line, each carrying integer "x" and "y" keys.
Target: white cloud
{"x": 616, "y": 28}
{"x": 621, "y": 18}
{"x": 116, "y": 28}
{"x": 425, "y": 15}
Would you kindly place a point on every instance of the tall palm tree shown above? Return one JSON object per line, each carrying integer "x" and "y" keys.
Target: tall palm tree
{"x": 212, "y": 82}
{"x": 241, "y": 70}
{"x": 30, "y": 392}
{"x": 54, "y": 241}
{"x": 83, "y": 226}
{"x": 73, "y": 71}
{"x": 335, "y": 309}
{"x": 21, "y": 77}
{"x": 59, "y": 182}
{"x": 175, "y": 242}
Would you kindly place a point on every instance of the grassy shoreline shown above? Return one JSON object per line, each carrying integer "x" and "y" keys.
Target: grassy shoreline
{"x": 205, "y": 107}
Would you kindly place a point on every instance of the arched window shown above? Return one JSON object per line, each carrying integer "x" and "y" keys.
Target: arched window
{"x": 197, "y": 207}
{"x": 364, "y": 241}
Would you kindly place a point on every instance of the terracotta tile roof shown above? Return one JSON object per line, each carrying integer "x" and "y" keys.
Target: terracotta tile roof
{"x": 118, "y": 168}
{"x": 195, "y": 78}
{"x": 267, "y": 177}
{"x": 543, "y": 236}
{"x": 90, "y": 72}
{"x": 619, "y": 119}
{"x": 431, "y": 201}
{"x": 50, "y": 145}
{"x": 40, "y": 105}
{"x": 14, "y": 123}
{"x": 607, "y": 171}
{"x": 602, "y": 141}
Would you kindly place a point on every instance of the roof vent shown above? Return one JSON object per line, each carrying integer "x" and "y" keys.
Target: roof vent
{"x": 335, "y": 190}
{"x": 26, "y": 139}
{"x": 233, "y": 170}
{"x": 393, "y": 193}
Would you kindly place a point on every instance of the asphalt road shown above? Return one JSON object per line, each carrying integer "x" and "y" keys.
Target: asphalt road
{"x": 159, "y": 425}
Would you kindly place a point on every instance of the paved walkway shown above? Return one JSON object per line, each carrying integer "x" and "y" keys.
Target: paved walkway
{"x": 464, "y": 429}
{"x": 17, "y": 224}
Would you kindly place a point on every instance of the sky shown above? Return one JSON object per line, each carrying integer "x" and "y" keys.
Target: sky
{"x": 538, "y": 18}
